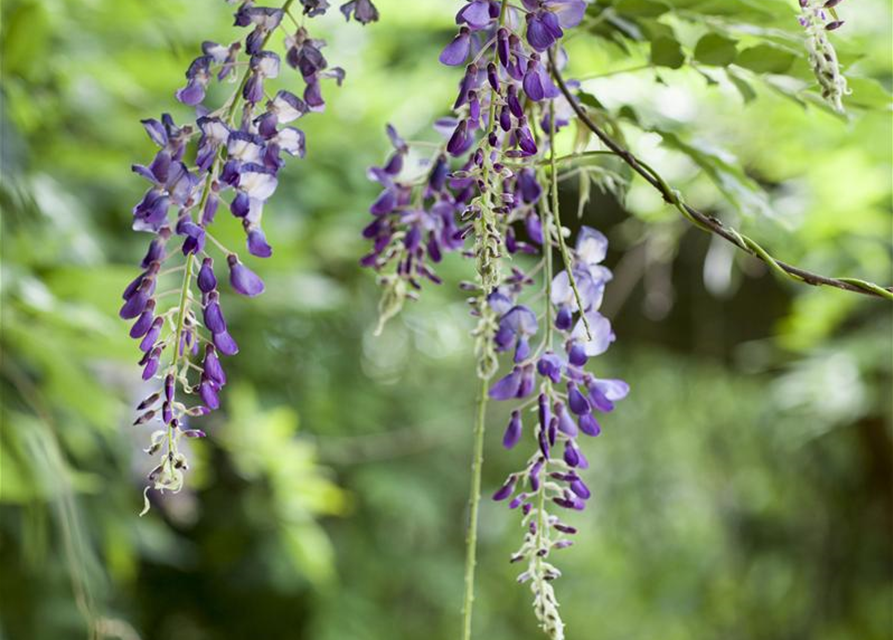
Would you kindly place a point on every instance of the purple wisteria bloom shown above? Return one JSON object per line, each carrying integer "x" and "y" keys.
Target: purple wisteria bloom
{"x": 363, "y": 11}
{"x": 570, "y": 396}
{"x": 409, "y": 233}
{"x": 239, "y": 149}
{"x": 481, "y": 191}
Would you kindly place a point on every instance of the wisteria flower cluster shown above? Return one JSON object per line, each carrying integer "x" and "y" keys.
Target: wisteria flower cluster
{"x": 566, "y": 406}
{"x": 231, "y": 155}
{"x": 484, "y": 192}
{"x": 818, "y": 17}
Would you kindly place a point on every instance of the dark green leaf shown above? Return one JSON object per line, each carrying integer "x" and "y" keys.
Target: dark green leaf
{"x": 747, "y": 92}
{"x": 627, "y": 27}
{"x": 666, "y": 52}
{"x": 716, "y": 50}
{"x": 765, "y": 58}
{"x": 590, "y": 100}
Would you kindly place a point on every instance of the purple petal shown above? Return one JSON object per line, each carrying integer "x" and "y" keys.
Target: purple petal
{"x": 589, "y": 425}
{"x": 600, "y": 330}
{"x": 257, "y": 243}
{"x": 226, "y": 344}
{"x": 475, "y": 14}
{"x": 549, "y": 366}
{"x": 143, "y": 323}
{"x": 209, "y": 395}
{"x": 539, "y": 36}
{"x": 507, "y": 387}
{"x": 192, "y": 94}
{"x": 212, "y": 367}
{"x": 207, "y": 281}
{"x": 213, "y": 316}
{"x": 135, "y": 305}
{"x": 576, "y": 400}
{"x": 580, "y": 488}
{"x": 243, "y": 279}
{"x": 571, "y": 454}
{"x": 148, "y": 341}
{"x": 505, "y": 490}
{"x": 456, "y": 52}
{"x": 533, "y": 84}
{"x": 612, "y": 389}
{"x": 569, "y": 12}
{"x": 592, "y": 245}
{"x": 156, "y": 131}
{"x": 513, "y": 431}
{"x": 566, "y": 424}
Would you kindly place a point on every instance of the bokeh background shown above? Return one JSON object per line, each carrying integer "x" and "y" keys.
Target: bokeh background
{"x": 742, "y": 492}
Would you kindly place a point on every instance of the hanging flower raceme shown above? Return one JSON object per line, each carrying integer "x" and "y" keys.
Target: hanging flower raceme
{"x": 230, "y": 154}
{"x": 484, "y": 191}
{"x": 564, "y": 400}
{"x": 504, "y": 76}
{"x": 818, "y": 17}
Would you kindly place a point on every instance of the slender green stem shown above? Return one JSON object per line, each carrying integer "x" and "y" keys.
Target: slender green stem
{"x": 570, "y": 157}
{"x": 181, "y": 319}
{"x": 565, "y": 255}
{"x": 581, "y": 155}
{"x": 540, "y": 530}
{"x": 477, "y": 462}
{"x": 474, "y": 500}
{"x": 181, "y": 311}
{"x": 616, "y": 72}
{"x": 546, "y": 221}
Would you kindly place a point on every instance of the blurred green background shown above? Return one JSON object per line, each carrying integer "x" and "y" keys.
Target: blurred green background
{"x": 743, "y": 491}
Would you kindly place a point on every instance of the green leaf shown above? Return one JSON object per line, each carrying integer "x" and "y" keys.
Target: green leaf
{"x": 642, "y": 8}
{"x": 590, "y": 100}
{"x": 741, "y": 191}
{"x": 868, "y": 93}
{"x": 747, "y": 92}
{"x": 26, "y": 33}
{"x": 785, "y": 87}
{"x": 753, "y": 10}
{"x": 765, "y": 58}
{"x": 627, "y": 27}
{"x": 716, "y": 50}
{"x": 628, "y": 112}
{"x": 666, "y": 52}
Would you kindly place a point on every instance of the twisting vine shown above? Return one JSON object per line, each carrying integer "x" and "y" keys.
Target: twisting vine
{"x": 236, "y": 148}
{"x": 710, "y": 223}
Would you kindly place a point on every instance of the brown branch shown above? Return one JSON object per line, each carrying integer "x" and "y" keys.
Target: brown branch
{"x": 710, "y": 223}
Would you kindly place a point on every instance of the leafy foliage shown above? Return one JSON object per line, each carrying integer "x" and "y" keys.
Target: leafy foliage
{"x": 745, "y": 494}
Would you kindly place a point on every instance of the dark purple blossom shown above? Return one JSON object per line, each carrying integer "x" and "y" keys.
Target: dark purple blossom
{"x": 238, "y": 149}
{"x": 481, "y": 192}
{"x": 363, "y": 11}
{"x": 243, "y": 279}
{"x": 456, "y": 52}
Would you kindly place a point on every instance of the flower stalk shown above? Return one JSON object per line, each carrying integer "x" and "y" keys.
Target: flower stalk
{"x": 490, "y": 188}
{"x": 477, "y": 464}
{"x": 239, "y": 149}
